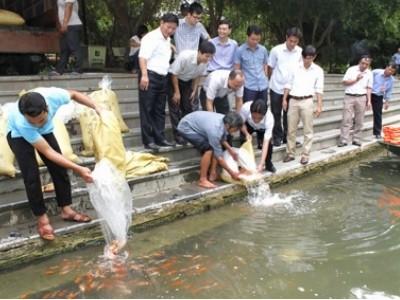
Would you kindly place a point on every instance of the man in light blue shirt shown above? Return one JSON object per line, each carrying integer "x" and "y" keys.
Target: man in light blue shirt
{"x": 224, "y": 56}
{"x": 252, "y": 59}
{"x": 381, "y": 93}
{"x": 30, "y": 128}
{"x": 207, "y": 132}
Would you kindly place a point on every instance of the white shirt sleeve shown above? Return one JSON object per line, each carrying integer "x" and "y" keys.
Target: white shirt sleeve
{"x": 273, "y": 58}
{"x": 147, "y": 47}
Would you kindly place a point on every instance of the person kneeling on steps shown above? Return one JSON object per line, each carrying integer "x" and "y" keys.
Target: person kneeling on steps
{"x": 30, "y": 128}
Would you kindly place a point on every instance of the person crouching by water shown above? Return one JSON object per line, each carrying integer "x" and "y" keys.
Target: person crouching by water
{"x": 30, "y": 127}
{"x": 257, "y": 118}
{"x": 207, "y": 132}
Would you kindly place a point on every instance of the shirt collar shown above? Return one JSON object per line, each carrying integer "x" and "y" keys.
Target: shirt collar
{"x": 248, "y": 47}
{"x": 161, "y": 36}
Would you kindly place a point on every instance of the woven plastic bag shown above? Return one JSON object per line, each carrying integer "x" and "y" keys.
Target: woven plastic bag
{"x": 111, "y": 197}
{"x": 6, "y": 155}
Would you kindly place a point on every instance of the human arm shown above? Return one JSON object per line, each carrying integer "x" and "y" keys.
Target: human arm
{"x": 264, "y": 153}
{"x": 238, "y": 103}
{"x": 285, "y": 99}
{"x": 195, "y": 85}
{"x": 223, "y": 164}
{"x": 67, "y": 16}
{"x": 144, "y": 79}
{"x": 243, "y": 129}
{"x": 175, "y": 85}
{"x": 319, "y": 105}
{"x": 232, "y": 152}
{"x": 369, "y": 90}
{"x": 44, "y": 148}
{"x": 84, "y": 100}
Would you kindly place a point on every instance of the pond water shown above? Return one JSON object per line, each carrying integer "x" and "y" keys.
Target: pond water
{"x": 333, "y": 234}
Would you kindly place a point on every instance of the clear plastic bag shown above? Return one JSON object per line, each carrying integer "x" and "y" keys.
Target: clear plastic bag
{"x": 111, "y": 197}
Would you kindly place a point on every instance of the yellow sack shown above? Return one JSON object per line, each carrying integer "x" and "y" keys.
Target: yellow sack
{"x": 61, "y": 134}
{"x": 109, "y": 100}
{"x": 88, "y": 120}
{"x": 6, "y": 155}
{"x": 10, "y": 18}
{"x": 108, "y": 141}
{"x": 246, "y": 161}
{"x": 140, "y": 164}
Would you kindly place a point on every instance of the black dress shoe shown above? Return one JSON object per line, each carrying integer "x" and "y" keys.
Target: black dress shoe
{"x": 152, "y": 146}
{"x": 271, "y": 168}
{"x": 378, "y": 137}
{"x": 304, "y": 160}
{"x": 298, "y": 144}
{"x": 277, "y": 143}
{"x": 181, "y": 141}
{"x": 165, "y": 143}
{"x": 341, "y": 144}
{"x": 357, "y": 144}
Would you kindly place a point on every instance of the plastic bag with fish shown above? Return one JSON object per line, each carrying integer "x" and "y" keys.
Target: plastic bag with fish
{"x": 111, "y": 197}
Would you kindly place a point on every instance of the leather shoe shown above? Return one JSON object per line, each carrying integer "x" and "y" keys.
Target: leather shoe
{"x": 271, "y": 168}
{"x": 152, "y": 146}
{"x": 304, "y": 160}
{"x": 357, "y": 144}
{"x": 298, "y": 144}
{"x": 341, "y": 144}
{"x": 288, "y": 158}
{"x": 181, "y": 141}
{"x": 165, "y": 143}
{"x": 277, "y": 143}
{"x": 378, "y": 137}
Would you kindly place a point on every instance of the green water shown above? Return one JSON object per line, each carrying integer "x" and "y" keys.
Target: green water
{"x": 333, "y": 234}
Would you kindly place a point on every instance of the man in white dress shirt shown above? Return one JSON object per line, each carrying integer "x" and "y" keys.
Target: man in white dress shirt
{"x": 358, "y": 81}
{"x": 154, "y": 55}
{"x": 304, "y": 82}
{"x": 281, "y": 60}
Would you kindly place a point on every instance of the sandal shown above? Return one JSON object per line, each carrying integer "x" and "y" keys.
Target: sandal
{"x": 77, "y": 217}
{"x": 46, "y": 232}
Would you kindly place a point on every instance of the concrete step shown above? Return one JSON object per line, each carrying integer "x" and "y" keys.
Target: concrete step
{"x": 14, "y": 208}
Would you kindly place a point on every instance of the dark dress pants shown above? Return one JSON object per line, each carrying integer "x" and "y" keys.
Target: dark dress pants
{"x": 251, "y": 95}
{"x": 377, "y": 105}
{"x": 185, "y": 106}
{"x": 70, "y": 43}
{"x": 278, "y": 133}
{"x": 221, "y": 104}
{"x": 260, "y": 140}
{"x": 25, "y": 156}
{"x": 152, "y": 109}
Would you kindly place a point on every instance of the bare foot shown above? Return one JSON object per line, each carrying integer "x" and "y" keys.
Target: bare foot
{"x": 206, "y": 184}
{"x": 214, "y": 177}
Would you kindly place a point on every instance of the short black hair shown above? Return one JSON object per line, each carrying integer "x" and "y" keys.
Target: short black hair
{"x": 170, "y": 18}
{"x": 225, "y": 22}
{"x": 392, "y": 65}
{"x": 234, "y": 73}
{"x": 309, "y": 50}
{"x": 253, "y": 29}
{"x": 195, "y": 8}
{"x": 184, "y": 8}
{"x": 233, "y": 120}
{"x": 141, "y": 30}
{"x": 294, "y": 31}
{"x": 32, "y": 104}
{"x": 365, "y": 56}
{"x": 259, "y": 106}
{"x": 207, "y": 47}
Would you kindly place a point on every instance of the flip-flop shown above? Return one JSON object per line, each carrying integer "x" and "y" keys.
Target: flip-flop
{"x": 78, "y": 218}
{"x": 46, "y": 232}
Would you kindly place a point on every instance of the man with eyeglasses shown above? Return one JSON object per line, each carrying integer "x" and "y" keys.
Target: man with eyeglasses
{"x": 190, "y": 30}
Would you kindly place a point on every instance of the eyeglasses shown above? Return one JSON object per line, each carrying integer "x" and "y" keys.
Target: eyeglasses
{"x": 197, "y": 17}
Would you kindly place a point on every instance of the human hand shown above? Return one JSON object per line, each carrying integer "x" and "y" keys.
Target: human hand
{"x": 144, "y": 83}
{"x": 85, "y": 173}
{"x": 284, "y": 104}
{"x": 176, "y": 97}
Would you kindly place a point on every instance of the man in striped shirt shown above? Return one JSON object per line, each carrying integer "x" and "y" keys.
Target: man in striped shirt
{"x": 190, "y": 30}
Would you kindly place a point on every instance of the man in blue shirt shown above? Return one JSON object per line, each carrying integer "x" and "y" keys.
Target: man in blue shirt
{"x": 381, "y": 93}
{"x": 252, "y": 59}
{"x": 207, "y": 132}
{"x": 30, "y": 128}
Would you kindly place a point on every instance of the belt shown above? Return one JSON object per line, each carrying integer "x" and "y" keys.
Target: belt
{"x": 300, "y": 97}
{"x": 355, "y": 95}
{"x": 156, "y": 74}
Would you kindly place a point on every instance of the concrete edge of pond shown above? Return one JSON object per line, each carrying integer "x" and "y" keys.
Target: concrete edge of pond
{"x": 24, "y": 250}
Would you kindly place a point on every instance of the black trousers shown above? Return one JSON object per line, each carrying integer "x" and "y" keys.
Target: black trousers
{"x": 152, "y": 109}
{"x": 70, "y": 43}
{"x": 260, "y": 140}
{"x": 251, "y": 95}
{"x": 185, "y": 106}
{"x": 278, "y": 133}
{"x": 221, "y": 104}
{"x": 25, "y": 156}
{"x": 377, "y": 105}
